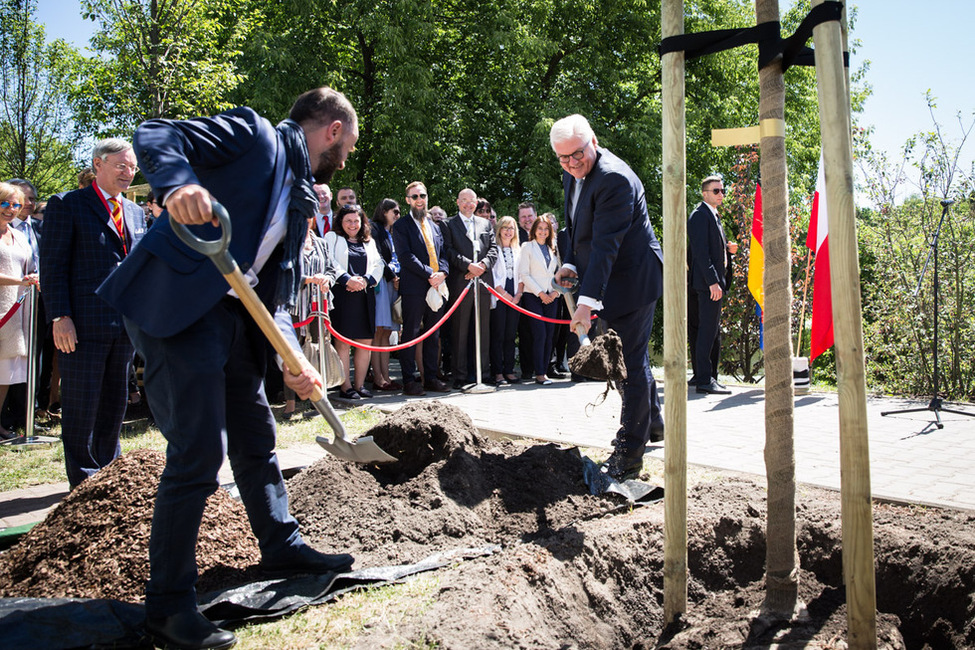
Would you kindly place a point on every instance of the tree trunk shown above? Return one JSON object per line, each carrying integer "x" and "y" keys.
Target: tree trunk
{"x": 782, "y": 560}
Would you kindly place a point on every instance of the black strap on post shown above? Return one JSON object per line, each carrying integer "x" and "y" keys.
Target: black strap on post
{"x": 768, "y": 36}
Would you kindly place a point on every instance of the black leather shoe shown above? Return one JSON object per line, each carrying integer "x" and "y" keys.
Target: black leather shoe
{"x": 188, "y": 631}
{"x": 554, "y": 373}
{"x": 622, "y": 465}
{"x": 308, "y": 560}
{"x": 714, "y": 388}
{"x": 436, "y": 386}
{"x": 413, "y": 388}
{"x": 459, "y": 384}
{"x": 656, "y": 433}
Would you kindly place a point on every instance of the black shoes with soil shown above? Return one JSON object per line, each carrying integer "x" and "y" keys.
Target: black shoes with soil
{"x": 622, "y": 465}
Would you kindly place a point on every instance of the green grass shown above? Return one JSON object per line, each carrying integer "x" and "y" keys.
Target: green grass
{"x": 381, "y": 610}
{"x": 42, "y": 464}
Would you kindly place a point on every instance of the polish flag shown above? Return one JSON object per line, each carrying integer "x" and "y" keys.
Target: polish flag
{"x": 821, "y": 337}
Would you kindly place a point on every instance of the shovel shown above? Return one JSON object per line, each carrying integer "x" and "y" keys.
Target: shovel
{"x": 363, "y": 450}
{"x": 570, "y": 302}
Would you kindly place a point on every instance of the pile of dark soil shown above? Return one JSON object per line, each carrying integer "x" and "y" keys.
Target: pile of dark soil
{"x": 603, "y": 360}
{"x": 95, "y": 544}
{"x": 449, "y": 489}
{"x": 574, "y": 570}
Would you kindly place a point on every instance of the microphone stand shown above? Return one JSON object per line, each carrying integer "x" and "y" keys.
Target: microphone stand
{"x": 935, "y": 405}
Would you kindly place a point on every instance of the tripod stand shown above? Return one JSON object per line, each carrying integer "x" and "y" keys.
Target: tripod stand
{"x": 935, "y": 404}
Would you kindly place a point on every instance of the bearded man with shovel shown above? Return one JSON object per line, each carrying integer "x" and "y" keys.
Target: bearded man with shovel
{"x": 205, "y": 356}
{"x": 616, "y": 256}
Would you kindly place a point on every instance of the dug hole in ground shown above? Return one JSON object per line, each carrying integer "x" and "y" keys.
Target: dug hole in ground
{"x": 574, "y": 571}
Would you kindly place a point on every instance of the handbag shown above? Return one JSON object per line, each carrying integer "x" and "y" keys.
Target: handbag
{"x": 396, "y": 310}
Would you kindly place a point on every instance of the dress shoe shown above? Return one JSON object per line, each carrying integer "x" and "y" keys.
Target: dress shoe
{"x": 436, "y": 386}
{"x": 308, "y": 560}
{"x": 554, "y": 372}
{"x": 188, "y": 631}
{"x": 623, "y": 465}
{"x": 578, "y": 378}
{"x": 513, "y": 379}
{"x": 545, "y": 381}
{"x": 657, "y": 433}
{"x": 413, "y": 388}
{"x": 363, "y": 393}
{"x": 713, "y": 388}
{"x": 349, "y": 394}
{"x": 500, "y": 381}
{"x": 459, "y": 384}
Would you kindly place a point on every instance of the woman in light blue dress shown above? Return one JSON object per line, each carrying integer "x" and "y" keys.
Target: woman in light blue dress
{"x": 387, "y": 212}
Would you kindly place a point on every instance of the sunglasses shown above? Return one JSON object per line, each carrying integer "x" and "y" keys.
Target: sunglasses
{"x": 718, "y": 190}
{"x": 8, "y": 204}
{"x": 418, "y": 196}
{"x": 395, "y": 210}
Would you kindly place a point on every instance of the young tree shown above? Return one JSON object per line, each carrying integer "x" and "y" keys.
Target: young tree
{"x": 35, "y": 141}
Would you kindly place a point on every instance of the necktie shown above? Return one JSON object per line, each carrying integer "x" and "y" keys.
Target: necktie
{"x": 326, "y": 226}
{"x": 431, "y": 251}
{"x": 470, "y": 235}
{"x": 117, "y": 220}
{"x": 576, "y": 191}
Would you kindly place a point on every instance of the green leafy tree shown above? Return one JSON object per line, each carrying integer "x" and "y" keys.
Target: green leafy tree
{"x": 35, "y": 141}
{"x": 157, "y": 58}
{"x": 896, "y": 237}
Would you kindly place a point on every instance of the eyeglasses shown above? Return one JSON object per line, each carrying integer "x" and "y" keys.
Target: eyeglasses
{"x": 575, "y": 155}
{"x": 418, "y": 196}
{"x": 395, "y": 210}
{"x": 718, "y": 190}
{"x": 122, "y": 167}
{"x": 8, "y": 204}
{"x": 507, "y": 227}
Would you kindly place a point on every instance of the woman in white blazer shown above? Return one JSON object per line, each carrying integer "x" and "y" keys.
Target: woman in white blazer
{"x": 537, "y": 267}
{"x": 353, "y": 315}
{"x": 504, "y": 319}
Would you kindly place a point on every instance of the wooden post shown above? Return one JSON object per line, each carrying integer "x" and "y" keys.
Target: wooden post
{"x": 834, "y": 119}
{"x": 675, "y": 315}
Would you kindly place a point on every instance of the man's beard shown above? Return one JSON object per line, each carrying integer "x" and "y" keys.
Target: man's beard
{"x": 328, "y": 164}
{"x": 418, "y": 214}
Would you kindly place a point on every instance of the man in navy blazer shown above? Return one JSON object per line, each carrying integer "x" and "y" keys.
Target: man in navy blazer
{"x": 82, "y": 244}
{"x": 708, "y": 263}
{"x": 460, "y": 233}
{"x": 419, "y": 271}
{"x": 619, "y": 262}
{"x": 205, "y": 356}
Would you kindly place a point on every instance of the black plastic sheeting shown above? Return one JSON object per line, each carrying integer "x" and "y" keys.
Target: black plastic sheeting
{"x": 67, "y": 623}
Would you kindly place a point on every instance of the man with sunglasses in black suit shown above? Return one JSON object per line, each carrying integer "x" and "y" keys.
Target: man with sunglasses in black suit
{"x": 709, "y": 264}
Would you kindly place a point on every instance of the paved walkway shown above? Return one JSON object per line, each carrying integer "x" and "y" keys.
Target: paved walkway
{"x": 911, "y": 460}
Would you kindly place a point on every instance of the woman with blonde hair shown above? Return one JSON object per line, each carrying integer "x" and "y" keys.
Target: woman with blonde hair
{"x": 16, "y": 274}
{"x": 536, "y": 269}
{"x": 504, "y": 319}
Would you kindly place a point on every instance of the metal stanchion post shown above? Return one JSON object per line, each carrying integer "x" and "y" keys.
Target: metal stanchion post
{"x": 29, "y": 439}
{"x": 480, "y": 386}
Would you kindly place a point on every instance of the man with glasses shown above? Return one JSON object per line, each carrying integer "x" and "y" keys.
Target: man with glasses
{"x": 709, "y": 273}
{"x": 422, "y": 256}
{"x": 87, "y": 234}
{"x": 618, "y": 260}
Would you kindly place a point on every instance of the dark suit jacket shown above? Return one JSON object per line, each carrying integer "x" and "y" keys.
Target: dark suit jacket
{"x": 613, "y": 246}
{"x": 414, "y": 261}
{"x": 164, "y": 286}
{"x": 460, "y": 251}
{"x": 707, "y": 252}
{"x": 79, "y": 249}
{"x": 385, "y": 247}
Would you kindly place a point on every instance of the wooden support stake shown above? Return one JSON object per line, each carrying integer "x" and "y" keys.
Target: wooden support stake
{"x": 834, "y": 118}
{"x": 675, "y": 316}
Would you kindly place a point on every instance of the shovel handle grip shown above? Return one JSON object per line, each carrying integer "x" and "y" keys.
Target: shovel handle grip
{"x": 570, "y": 303}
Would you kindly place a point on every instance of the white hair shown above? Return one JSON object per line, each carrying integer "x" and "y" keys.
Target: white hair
{"x": 568, "y": 128}
{"x": 104, "y": 148}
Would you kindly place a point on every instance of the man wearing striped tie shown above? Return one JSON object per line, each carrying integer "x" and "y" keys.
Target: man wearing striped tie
{"x": 87, "y": 233}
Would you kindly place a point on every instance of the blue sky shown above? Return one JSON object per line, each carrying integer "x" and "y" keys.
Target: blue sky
{"x": 912, "y": 47}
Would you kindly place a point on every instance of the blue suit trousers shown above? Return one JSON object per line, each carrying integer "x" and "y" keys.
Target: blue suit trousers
{"x": 205, "y": 388}
{"x": 641, "y": 403}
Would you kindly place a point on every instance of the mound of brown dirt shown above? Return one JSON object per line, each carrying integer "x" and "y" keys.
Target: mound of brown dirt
{"x": 422, "y": 433}
{"x": 95, "y": 544}
{"x": 456, "y": 491}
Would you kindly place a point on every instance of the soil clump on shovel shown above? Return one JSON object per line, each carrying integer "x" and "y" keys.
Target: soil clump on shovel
{"x": 603, "y": 360}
